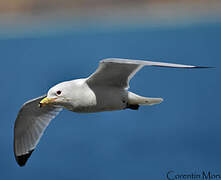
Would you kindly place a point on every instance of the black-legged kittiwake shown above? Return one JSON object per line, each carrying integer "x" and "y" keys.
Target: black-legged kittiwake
{"x": 105, "y": 90}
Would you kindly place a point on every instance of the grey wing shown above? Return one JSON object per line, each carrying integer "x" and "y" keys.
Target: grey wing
{"x": 113, "y": 73}
{"x": 118, "y": 72}
{"x": 29, "y": 127}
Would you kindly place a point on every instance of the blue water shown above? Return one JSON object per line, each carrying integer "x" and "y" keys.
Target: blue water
{"x": 181, "y": 134}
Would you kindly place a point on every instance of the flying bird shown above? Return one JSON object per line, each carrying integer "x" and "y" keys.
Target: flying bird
{"x": 105, "y": 90}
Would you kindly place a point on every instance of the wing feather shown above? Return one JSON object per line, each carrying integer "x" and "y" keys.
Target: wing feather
{"x": 29, "y": 127}
{"x": 118, "y": 72}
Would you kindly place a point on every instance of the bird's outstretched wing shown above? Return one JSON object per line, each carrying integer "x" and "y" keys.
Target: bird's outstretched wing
{"x": 29, "y": 127}
{"x": 118, "y": 72}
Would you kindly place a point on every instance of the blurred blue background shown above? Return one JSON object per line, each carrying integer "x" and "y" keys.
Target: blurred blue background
{"x": 181, "y": 134}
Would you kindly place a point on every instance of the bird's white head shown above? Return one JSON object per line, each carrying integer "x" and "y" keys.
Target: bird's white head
{"x": 58, "y": 95}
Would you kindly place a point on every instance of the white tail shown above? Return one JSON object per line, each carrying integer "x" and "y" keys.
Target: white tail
{"x": 139, "y": 100}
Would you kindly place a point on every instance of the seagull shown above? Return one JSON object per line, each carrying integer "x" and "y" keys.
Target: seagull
{"x": 105, "y": 90}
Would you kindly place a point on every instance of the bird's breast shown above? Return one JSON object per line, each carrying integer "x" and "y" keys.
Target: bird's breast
{"x": 82, "y": 98}
{"x": 86, "y": 99}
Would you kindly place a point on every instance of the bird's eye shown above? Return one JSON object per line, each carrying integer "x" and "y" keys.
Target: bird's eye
{"x": 58, "y": 92}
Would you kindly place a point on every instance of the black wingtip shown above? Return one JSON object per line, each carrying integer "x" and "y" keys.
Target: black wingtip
{"x": 203, "y": 67}
{"x": 21, "y": 160}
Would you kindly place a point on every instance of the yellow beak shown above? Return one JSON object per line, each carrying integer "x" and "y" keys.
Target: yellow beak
{"x": 46, "y": 101}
